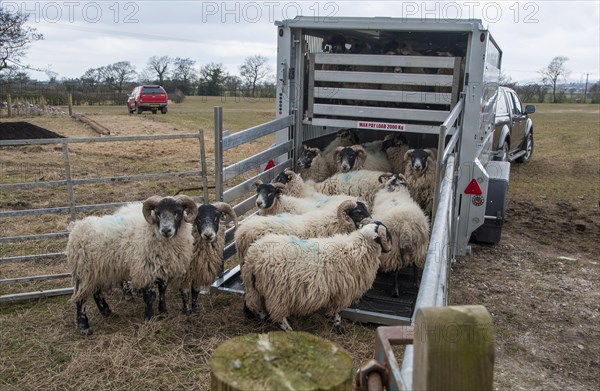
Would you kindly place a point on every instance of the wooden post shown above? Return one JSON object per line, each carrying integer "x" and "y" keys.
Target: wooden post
{"x": 453, "y": 349}
{"x": 280, "y": 361}
{"x": 9, "y": 105}
{"x": 17, "y": 104}
{"x": 70, "y": 103}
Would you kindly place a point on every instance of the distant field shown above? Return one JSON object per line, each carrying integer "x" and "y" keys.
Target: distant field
{"x": 41, "y": 348}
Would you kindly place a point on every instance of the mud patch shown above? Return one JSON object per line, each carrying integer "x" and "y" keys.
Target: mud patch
{"x": 24, "y": 131}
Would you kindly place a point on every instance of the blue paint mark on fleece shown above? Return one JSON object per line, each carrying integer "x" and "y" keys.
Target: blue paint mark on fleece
{"x": 116, "y": 219}
{"x": 302, "y": 243}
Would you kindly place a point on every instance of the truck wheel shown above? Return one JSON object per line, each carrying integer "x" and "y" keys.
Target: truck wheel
{"x": 505, "y": 148}
{"x": 154, "y": 111}
{"x": 528, "y": 150}
{"x": 163, "y": 110}
{"x": 139, "y": 110}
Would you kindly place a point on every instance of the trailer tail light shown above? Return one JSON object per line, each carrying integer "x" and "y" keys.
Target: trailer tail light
{"x": 473, "y": 188}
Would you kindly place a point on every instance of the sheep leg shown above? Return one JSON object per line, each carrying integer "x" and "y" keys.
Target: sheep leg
{"x": 185, "y": 298}
{"x": 337, "y": 323}
{"x": 83, "y": 325}
{"x": 195, "y": 307}
{"x": 396, "y": 292}
{"x": 127, "y": 292}
{"x": 248, "y": 312}
{"x": 101, "y": 303}
{"x": 416, "y": 275}
{"x": 149, "y": 297}
{"x": 285, "y": 326}
{"x": 162, "y": 303}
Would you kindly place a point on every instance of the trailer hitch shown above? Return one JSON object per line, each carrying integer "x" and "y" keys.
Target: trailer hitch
{"x": 383, "y": 369}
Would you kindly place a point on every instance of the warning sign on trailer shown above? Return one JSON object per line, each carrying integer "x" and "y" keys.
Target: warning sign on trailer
{"x": 379, "y": 125}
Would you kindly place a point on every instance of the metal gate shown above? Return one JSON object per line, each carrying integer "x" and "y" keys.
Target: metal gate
{"x": 72, "y": 208}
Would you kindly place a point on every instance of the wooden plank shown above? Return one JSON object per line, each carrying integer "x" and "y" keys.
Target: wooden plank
{"x": 453, "y": 349}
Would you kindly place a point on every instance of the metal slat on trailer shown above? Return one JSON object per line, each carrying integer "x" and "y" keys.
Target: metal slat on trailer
{"x": 384, "y": 60}
{"x": 385, "y": 78}
{"x": 380, "y": 113}
{"x": 397, "y": 96}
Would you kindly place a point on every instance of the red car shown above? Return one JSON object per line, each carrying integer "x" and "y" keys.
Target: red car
{"x": 148, "y": 98}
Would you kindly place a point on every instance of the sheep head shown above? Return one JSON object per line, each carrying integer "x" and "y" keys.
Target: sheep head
{"x": 351, "y": 213}
{"x": 266, "y": 193}
{"x": 307, "y": 156}
{"x": 396, "y": 140}
{"x": 420, "y": 159}
{"x": 167, "y": 213}
{"x": 347, "y": 137}
{"x": 393, "y": 182}
{"x": 349, "y": 158}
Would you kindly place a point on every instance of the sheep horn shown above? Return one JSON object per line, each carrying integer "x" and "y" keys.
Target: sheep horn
{"x": 386, "y": 242}
{"x": 408, "y": 153}
{"x": 341, "y": 211}
{"x": 224, "y": 207}
{"x": 336, "y": 153}
{"x": 257, "y": 182}
{"x": 149, "y": 206}
{"x": 431, "y": 154}
{"x": 191, "y": 209}
{"x": 384, "y": 177}
{"x": 279, "y": 186}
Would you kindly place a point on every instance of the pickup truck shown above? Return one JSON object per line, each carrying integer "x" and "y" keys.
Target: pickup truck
{"x": 513, "y": 138}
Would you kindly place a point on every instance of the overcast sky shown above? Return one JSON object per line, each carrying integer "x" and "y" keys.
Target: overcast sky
{"x": 87, "y": 34}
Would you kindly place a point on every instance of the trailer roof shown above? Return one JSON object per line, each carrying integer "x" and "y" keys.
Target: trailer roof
{"x": 383, "y": 23}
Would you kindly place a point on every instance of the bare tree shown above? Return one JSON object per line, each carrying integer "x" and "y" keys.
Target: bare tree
{"x": 117, "y": 75}
{"x": 93, "y": 77}
{"x": 15, "y": 38}
{"x": 184, "y": 73}
{"x": 554, "y": 72}
{"x": 254, "y": 70}
{"x": 160, "y": 66}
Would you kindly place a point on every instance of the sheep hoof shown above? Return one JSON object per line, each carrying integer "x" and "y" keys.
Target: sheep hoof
{"x": 339, "y": 329}
{"x": 185, "y": 311}
{"x": 85, "y": 331}
{"x": 248, "y": 312}
{"x": 262, "y": 315}
{"x": 195, "y": 311}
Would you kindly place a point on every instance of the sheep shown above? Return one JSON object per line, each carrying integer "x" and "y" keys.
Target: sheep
{"x": 420, "y": 176}
{"x": 270, "y": 200}
{"x": 395, "y": 148}
{"x": 207, "y": 257}
{"x": 356, "y": 158}
{"x": 344, "y": 138}
{"x": 292, "y": 276}
{"x": 312, "y": 165}
{"x": 343, "y": 219}
{"x": 407, "y": 224}
{"x": 142, "y": 242}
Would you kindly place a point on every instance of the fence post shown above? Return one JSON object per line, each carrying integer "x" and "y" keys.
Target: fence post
{"x": 453, "y": 349}
{"x": 218, "y": 153}
{"x": 70, "y": 103}
{"x": 9, "y": 105}
{"x": 203, "y": 167}
{"x": 69, "y": 179}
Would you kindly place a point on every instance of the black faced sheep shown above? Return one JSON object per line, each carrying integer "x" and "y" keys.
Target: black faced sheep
{"x": 142, "y": 243}
{"x": 293, "y": 276}
{"x": 207, "y": 257}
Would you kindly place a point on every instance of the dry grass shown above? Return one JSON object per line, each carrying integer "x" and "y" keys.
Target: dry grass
{"x": 41, "y": 349}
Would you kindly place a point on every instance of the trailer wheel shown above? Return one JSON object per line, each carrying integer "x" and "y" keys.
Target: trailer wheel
{"x": 528, "y": 149}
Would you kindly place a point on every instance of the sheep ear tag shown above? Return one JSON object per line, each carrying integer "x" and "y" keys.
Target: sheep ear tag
{"x": 473, "y": 188}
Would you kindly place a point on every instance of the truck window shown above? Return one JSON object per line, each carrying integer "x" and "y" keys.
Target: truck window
{"x": 501, "y": 108}
{"x": 517, "y": 107}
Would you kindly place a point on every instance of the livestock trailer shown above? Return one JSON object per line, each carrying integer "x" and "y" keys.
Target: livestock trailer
{"x": 435, "y": 81}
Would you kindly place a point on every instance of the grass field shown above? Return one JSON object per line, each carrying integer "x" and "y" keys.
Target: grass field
{"x": 42, "y": 350}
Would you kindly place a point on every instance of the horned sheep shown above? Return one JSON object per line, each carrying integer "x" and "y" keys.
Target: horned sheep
{"x": 420, "y": 176}
{"x": 292, "y": 276}
{"x": 207, "y": 257}
{"x": 141, "y": 242}
{"x": 356, "y": 158}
